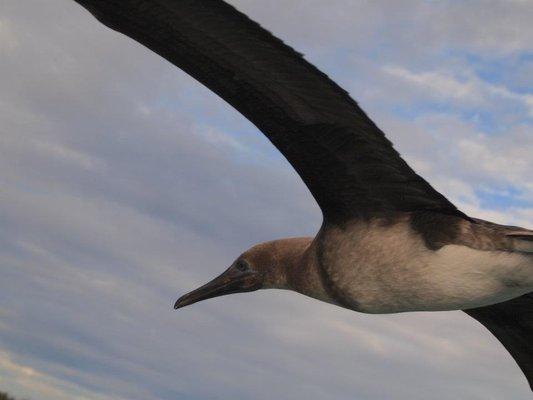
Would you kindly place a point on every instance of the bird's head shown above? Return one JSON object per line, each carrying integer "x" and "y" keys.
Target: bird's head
{"x": 263, "y": 266}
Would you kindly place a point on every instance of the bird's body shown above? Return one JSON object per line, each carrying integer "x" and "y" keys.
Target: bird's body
{"x": 389, "y": 241}
{"x": 386, "y": 267}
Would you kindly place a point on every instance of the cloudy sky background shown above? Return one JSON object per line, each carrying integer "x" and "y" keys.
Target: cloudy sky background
{"x": 124, "y": 183}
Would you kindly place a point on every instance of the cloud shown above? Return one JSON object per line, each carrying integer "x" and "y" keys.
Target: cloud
{"x": 486, "y": 175}
{"x": 125, "y": 183}
{"x": 31, "y": 383}
{"x": 437, "y": 83}
{"x": 411, "y": 31}
{"x": 470, "y": 89}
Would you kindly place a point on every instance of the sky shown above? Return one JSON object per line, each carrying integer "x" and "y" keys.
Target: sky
{"x": 124, "y": 184}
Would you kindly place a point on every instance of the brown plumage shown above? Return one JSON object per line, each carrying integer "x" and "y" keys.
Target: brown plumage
{"x": 389, "y": 241}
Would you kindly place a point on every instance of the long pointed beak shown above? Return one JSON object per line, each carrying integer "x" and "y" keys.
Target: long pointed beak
{"x": 231, "y": 281}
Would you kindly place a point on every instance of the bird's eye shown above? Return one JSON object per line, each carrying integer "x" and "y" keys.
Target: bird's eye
{"x": 242, "y": 265}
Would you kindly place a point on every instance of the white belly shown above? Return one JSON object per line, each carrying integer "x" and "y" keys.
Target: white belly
{"x": 452, "y": 278}
{"x": 398, "y": 273}
{"x": 458, "y": 277}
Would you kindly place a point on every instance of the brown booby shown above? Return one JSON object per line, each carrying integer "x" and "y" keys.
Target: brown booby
{"x": 389, "y": 242}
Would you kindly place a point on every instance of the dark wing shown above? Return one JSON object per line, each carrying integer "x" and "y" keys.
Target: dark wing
{"x": 512, "y": 323}
{"x": 349, "y": 166}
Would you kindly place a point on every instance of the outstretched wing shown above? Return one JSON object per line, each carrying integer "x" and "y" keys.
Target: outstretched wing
{"x": 349, "y": 166}
{"x": 512, "y": 323}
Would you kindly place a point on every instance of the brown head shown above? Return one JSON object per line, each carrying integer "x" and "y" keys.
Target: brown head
{"x": 264, "y": 266}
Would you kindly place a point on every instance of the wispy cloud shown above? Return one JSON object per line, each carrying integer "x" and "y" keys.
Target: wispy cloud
{"x": 469, "y": 89}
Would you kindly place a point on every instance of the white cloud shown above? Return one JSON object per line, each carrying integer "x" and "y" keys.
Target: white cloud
{"x": 469, "y": 89}
{"x": 68, "y": 155}
{"x": 437, "y": 83}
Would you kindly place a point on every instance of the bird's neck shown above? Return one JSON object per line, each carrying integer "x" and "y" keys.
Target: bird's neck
{"x": 297, "y": 261}
{"x": 283, "y": 257}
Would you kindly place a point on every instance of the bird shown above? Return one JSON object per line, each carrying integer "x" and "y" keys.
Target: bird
{"x": 388, "y": 242}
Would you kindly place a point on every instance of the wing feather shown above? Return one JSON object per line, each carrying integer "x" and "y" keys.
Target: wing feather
{"x": 350, "y": 167}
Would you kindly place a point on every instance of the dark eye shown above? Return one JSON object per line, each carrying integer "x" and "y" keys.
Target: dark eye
{"x": 242, "y": 265}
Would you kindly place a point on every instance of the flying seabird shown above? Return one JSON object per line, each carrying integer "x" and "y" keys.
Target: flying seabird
{"x": 389, "y": 242}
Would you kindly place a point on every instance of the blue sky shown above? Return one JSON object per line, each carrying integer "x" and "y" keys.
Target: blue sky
{"x": 124, "y": 184}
